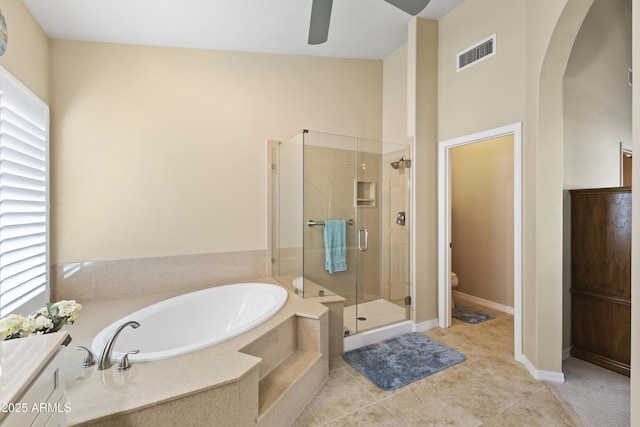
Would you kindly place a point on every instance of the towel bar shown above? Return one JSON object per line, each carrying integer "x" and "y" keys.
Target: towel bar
{"x": 311, "y": 222}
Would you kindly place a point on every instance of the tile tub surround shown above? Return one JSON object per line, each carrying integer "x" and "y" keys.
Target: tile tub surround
{"x": 225, "y": 376}
{"x": 100, "y": 280}
{"x": 335, "y": 304}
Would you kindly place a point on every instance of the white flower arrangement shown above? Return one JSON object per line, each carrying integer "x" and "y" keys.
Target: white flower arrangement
{"x": 50, "y": 318}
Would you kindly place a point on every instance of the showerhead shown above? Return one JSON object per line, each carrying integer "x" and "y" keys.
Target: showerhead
{"x": 401, "y": 164}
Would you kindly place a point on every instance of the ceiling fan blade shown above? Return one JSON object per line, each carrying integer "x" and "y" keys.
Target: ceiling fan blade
{"x": 320, "y": 18}
{"x": 412, "y": 7}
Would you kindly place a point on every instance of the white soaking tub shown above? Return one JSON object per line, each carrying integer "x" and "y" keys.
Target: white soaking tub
{"x": 193, "y": 321}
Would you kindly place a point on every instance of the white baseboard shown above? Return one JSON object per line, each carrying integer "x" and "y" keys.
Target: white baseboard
{"x": 426, "y": 325}
{"x": 554, "y": 377}
{"x": 459, "y": 296}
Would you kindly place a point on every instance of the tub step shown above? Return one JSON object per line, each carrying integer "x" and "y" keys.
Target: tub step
{"x": 283, "y": 378}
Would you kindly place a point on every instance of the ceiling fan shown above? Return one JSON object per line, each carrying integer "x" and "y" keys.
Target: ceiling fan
{"x": 321, "y": 15}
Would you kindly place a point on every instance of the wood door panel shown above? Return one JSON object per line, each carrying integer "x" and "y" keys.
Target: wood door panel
{"x": 601, "y": 277}
{"x": 601, "y": 244}
{"x": 604, "y": 327}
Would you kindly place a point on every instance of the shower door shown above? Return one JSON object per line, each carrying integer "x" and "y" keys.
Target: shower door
{"x": 383, "y": 290}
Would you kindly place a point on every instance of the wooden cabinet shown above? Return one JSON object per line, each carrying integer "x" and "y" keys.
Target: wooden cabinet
{"x": 601, "y": 277}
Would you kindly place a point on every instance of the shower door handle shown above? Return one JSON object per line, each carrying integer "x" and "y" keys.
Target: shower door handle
{"x": 365, "y": 246}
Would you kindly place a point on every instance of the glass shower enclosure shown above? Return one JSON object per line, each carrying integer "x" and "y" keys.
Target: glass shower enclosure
{"x": 365, "y": 186}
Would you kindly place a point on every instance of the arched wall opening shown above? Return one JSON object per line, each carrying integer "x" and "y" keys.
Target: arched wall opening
{"x": 541, "y": 324}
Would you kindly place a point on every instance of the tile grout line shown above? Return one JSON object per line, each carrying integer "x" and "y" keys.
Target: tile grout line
{"x": 356, "y": 410}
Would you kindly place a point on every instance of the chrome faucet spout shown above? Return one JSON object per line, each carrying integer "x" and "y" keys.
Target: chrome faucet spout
{"x": 105, "y": 355}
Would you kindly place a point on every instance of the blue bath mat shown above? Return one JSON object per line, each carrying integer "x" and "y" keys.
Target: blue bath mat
{"x": 399, "y": 361}
{"x": 470, "y": 315}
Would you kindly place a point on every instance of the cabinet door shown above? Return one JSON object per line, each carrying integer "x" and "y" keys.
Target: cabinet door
{"x": 601, "y": 332}
{"x": 601, "y": 277}
{"x": 56, "y": 418}
{"x": 601, "y": 243}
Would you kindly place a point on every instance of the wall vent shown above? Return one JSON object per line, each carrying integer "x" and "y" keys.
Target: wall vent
{"x": 476, "y": 53}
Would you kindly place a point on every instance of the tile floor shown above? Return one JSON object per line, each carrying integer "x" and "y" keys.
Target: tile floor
{"x": 489, "y": 388}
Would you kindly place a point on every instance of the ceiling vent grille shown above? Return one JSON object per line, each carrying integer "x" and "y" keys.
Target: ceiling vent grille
{"x": 476, "y": 53}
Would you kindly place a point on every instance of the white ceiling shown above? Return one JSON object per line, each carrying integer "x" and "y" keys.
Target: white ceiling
{"x": 359, "y": 28}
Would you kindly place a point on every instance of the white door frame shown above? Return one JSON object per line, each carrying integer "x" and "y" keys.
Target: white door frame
{"x": 444, "y": 225}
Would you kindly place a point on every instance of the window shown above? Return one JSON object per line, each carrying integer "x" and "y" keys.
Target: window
{"x": 24, "y": 198}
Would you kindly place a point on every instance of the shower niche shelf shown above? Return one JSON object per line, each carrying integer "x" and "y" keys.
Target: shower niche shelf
{"x": 365, "y": 192}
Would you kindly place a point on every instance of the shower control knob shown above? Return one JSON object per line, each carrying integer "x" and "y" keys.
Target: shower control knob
{"x": 124, "y": 362}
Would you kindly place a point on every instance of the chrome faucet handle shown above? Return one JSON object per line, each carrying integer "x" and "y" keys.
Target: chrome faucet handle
{"x": 124, "y": 362}
{"x": 88, "y": 357}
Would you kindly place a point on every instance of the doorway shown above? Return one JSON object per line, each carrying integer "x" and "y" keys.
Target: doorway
{"x": 626, "y": 166}
{"x": 444, "y": 225}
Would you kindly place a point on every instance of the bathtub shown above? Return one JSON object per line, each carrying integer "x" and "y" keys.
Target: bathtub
{"x": 193, "y": 321}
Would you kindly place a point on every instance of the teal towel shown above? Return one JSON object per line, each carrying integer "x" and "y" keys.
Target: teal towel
{"x": 335, "y": 245}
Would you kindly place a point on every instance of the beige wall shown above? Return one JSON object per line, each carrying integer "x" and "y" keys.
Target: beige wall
{"x": 543, "y": 146}
{"x": 411, "y": 111}
{"x": 422, "y": 123}
{"x": 491, "y": 93}
{"x": 161, "y": 151}
{"x": 27, "y": 55}
{"x": 522, "y": 83}
{"x": 597, "y": 98}
{"x": 496, "y": 92}
{"x": 394, "y": 96}
{"x": 482, "y": 219}
{"x": 597, "y": 114}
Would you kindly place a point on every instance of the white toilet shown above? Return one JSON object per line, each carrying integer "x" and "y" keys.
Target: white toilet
{"x": 454, "y": 283}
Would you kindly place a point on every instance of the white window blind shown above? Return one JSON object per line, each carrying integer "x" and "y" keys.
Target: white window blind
{"x": 24, "y": 198}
